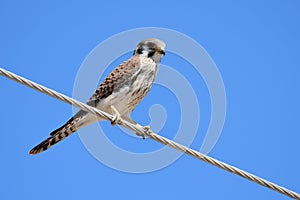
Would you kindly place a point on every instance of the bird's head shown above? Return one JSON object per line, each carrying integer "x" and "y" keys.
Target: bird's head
{"x": 151, "y": 48}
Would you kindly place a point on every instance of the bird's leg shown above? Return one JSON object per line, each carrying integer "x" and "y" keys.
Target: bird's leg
{"x": 117, "y": 117}
{"x": 146, "y": 128}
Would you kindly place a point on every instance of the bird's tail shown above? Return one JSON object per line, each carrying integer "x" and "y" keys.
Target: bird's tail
{"x": 57, "y": 135}
{"x": 50, "y": 141}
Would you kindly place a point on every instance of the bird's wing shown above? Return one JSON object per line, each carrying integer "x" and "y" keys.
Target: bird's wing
{"x": 121, "y": 75}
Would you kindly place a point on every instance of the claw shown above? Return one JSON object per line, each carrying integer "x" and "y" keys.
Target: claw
{"x": 115, "y": 120}
{"x": 147, "y": 129}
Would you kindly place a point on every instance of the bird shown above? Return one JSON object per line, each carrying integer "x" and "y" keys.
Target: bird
{"x": 119, "y": 93}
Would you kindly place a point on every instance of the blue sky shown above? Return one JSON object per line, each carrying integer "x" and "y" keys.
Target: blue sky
{"x": 255, "y": 46}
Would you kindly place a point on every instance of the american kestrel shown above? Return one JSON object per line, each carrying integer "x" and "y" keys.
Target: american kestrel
{"x": 120, "y": 92}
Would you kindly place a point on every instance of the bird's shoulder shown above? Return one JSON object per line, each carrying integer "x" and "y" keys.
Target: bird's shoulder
{"x": 118, "y": 76}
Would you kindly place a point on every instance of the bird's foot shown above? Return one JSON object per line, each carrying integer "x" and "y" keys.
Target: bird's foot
{"x": 116, "y": 120}
{"x": 146, "y": 132}
{"x": 117, "y": 117}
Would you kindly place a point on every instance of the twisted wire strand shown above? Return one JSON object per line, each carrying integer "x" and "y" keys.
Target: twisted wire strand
{"x": 138, "y": 128}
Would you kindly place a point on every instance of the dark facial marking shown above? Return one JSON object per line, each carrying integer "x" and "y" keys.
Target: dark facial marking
{"x": 139, "y": 51}
{"x": 151, "y": 53}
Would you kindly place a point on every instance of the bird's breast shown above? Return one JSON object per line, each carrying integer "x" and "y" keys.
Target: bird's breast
{"x": 127, "y": 98}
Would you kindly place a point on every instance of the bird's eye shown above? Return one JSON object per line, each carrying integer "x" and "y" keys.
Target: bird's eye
{"x": 163, "y": 52}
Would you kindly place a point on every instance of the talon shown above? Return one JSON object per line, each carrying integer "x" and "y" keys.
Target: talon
{"x": 114, "y": 121}
{"x": 147, "y": 129}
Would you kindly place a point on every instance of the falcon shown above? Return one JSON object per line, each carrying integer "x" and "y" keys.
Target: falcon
{"x": 120, "y": 92}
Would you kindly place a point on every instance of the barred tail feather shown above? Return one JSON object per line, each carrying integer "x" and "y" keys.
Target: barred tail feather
{"x": 56, "y": 136}
{"x": 76, "y": 122}
{"x": 49, "y": 142}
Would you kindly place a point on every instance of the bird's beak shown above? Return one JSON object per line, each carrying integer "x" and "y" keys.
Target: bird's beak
{"x": 162, "y": 51}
